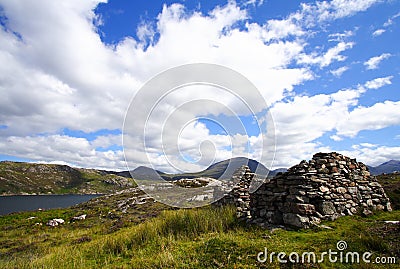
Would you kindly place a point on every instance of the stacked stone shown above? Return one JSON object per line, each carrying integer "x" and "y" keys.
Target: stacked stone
{"x": 239, "y": 194}
{"x": 328, "y": 186}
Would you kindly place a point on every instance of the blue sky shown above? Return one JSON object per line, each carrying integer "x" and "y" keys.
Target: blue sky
{"x": 328, "y": 70}
{"x": 123, "y": 17}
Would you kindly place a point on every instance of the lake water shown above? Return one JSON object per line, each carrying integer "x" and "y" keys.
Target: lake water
{"x": 18, "y": 203}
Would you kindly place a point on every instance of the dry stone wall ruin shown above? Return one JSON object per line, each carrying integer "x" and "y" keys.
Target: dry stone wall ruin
{"x": 239, "y": 195}
{"x": 328, "y": 186}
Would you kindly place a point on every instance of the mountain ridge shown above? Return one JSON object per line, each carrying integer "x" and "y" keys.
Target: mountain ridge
{"x": 223, "y": 169}
{"x": 385, "y": 168}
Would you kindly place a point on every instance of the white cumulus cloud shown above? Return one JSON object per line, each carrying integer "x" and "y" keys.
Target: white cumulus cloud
{"x": 373, "y": 62}
{"x": 378, "y": 82}
{"x": 338, "y": 72}
{"x": 378, "y": 32}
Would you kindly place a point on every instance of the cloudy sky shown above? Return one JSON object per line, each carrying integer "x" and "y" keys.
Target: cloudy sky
{"x": 328, "y": 70}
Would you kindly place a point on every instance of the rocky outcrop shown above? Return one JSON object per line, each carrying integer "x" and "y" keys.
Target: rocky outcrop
{"x": 118, "y": 181}
{"x": 80, "y": 217}
{"x": 194, "y": 182}
{"x": 55, "y": 222}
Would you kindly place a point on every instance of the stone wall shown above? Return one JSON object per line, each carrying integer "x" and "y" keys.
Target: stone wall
{"x": 239, "y": 194}
{"x": 328, "y": 186}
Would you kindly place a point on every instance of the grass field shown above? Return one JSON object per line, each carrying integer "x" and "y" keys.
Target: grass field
{"x": 191, "y": 238}
{"x": 153, "y": 235}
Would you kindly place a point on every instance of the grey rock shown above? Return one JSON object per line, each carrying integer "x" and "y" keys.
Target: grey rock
{"x": 327, "y": 208}
{"x": 296, "y": 220}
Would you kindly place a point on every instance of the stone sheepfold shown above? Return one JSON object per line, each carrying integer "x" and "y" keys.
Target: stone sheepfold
{"x": 328, "y": 186}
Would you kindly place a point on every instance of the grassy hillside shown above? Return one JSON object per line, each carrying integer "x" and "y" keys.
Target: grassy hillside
{"x": 391, "y": 184}
{"x": 130, "y": 230}
{"x": 30, "y": 178}
{"x": 151, "y": 235}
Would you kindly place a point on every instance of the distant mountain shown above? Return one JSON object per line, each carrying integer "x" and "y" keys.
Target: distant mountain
{"x": 223, "y": 170}
{"x": 219, "y": 169}
{"x": 385, "y": 168}
{"x": 273, "y": 173}
{"x": 143, "y": 172}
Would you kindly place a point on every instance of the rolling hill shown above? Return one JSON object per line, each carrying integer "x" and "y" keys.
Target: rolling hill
{"x": 32, "y": 178}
